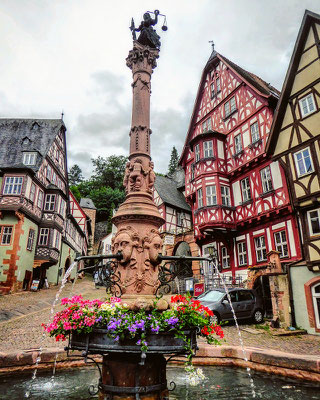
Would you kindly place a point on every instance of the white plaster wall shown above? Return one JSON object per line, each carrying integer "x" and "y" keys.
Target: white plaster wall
{"x": 276, "y": 175}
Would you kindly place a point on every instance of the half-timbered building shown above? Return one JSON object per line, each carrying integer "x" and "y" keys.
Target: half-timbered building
{"x": 37, "y": 230}
{"x": 295, "y": 144}
{"x": 238, "y": 195}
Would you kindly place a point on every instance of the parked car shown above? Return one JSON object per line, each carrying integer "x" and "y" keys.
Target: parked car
{"x": 246, "y": 303}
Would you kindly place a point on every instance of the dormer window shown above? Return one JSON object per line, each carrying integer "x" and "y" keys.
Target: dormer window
{"x": 29, "y": 158}
{"x": 206, "y": 125}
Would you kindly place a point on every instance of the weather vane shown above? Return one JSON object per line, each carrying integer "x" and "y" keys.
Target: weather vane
{"x": 148, "y": 36}
{"x": 212, "y": 44}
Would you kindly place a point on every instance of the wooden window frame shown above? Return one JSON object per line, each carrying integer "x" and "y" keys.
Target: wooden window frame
{"x": 32, "y": 195}
{"x": 225, "y": 257}
{"x": 238, "y": 150}
{"x": 257, "y": 131}
{"x": 200, "y": 198}
{"x": 212, "y": 195}
{"x": 242, "y": 253}
{"x": 311, "y": 234}
{"x": 246, "y": 190}
{"x": 262, "y": 249}
{"x": 266, "y": 181}
{"x": 308, "y": 112}
{"x": 208, "y": 152}
{"x": 276, "y": 246}
{"x": 56, "y": 245}
{"x": 13, "y": 184}
{"x": 39, "y": 194}
{"x": 50, "y": 202}
{"x": 231, "y": 105}
{"x": 225, "y": 196}
{"x": 296, "y": 162}
{"x": 2, "y": 227}
{"x": 47, "y": 236}
{"x": 30, "y": 239}
{"x": 197, "y": 152}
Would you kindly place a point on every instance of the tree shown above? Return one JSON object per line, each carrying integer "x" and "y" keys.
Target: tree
{"x": 109, "y": 171}
{"x": 75, "y": 175}
{"x": 173, "y": 163}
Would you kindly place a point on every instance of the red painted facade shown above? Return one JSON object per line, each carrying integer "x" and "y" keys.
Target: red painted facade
{"x": 239, "y": 197}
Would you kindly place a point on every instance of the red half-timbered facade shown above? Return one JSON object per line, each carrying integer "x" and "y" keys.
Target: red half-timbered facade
{"x": 238, "y": 195}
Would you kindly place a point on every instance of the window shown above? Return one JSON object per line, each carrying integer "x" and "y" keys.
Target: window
{"x": 266, "y": 180}
{"x": 314, "y": 222}
{"x": 200, "y": 198}
{"x": 13, "y": 185}
{"x": 316, "y": 303}
{"x": 50, "y": 202}
{"x": 44, "y": 236}
{"x": 29, "y": 158}
{"x": 54, "y": 178}
{"x": 62, "y": 207}
{"x": 208, "y": 149}
{"x": 303, "y": 162}
{"x": 206, "y": 125}
{"x": 237, "y": 144}
{"x": 280, "y": 240}
{"x": 245, "y": 188}
{"x": 30, "y": 239}
{"x": 245, "y": 295}
{"x": 49, "y": 169}
{"x": 192, "y": 171}
{"x": 229, "y": 107}
{"x": 261, "y": 251}
{"x": 307, "y": 105}
{"x": 211, "y": 195}
{"x": 6, "y": 234}
{"x": 40, "y": 199}
{"x": 32, "y": 192}
{"x": 180, "y": 218}
{"x": 255, "y": 135}
{"x": 225, "y": 196}
{"x": 197, "y": 152}
{"x": 242, "y": 253}
{"x": 57, "y": 243}
{"x": 212, "y": 90}
{"x": 218, "y": 85}
{"x": 225, "y": 257}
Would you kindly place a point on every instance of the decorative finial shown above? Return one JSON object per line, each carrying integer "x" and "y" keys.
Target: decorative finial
{"x": 62, "y": 114}
{"x": 148, "y": 36}
{"x": 212, "y": 44}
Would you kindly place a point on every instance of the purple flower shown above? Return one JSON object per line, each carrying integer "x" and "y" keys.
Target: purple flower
{"x": 99, "y": 319}
{"x": 139, "y": 342}
{"x": 116, "y": 339}
{"x": 172, "y": 321}
{"x": 132, "y": 328}
{"x": 140, "y": 324}
{"x": 155, "y": 328}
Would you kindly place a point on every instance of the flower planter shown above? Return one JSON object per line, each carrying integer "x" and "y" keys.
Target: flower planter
{"x": 97, "y": 342}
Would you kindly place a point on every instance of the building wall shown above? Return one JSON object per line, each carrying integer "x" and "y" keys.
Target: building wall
{"x": 300, "y": 275}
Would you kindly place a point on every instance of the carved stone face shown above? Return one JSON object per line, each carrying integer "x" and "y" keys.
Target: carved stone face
{"x": 124, "y": 244}
{"x": 154, "y": 249}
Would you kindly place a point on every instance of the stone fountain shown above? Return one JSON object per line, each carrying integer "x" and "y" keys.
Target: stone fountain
{"x": 128, "y": 372}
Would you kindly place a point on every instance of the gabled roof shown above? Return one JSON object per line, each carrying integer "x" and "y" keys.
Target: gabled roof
{"x": 263, "y": 88}
{"x": 169, "y": 193}
{"x": 21, "y": 135}
{"x": 308, "y": 18}
{"x": 86, "y": 202}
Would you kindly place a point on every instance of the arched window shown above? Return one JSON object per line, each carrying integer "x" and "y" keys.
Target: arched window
{"x": 316, "y": 303}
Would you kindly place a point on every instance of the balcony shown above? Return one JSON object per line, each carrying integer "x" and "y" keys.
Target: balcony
{"x": 51, "y": 254}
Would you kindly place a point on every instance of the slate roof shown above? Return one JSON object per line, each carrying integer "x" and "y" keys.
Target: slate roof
{"x": 20, "y": 135}
{"x": 86, "y": 202}
{"x": 169, "y": 193}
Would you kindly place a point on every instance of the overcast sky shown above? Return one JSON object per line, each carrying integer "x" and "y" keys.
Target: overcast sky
{"x": 70, "y": 55}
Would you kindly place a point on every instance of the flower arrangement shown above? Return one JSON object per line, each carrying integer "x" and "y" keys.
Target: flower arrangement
{"x": 120, "y": 322}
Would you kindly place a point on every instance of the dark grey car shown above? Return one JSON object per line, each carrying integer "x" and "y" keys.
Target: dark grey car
{"x": 245, "y": 302}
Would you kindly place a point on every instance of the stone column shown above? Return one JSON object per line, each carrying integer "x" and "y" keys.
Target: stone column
{"x": 138, "y": 218}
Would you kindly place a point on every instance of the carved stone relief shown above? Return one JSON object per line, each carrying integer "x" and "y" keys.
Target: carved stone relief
{"x": 138, "y": 266}
{"x": 137, "y": 178}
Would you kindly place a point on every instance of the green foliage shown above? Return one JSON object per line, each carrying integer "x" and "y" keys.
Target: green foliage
{"x": 75, "y": 175}
{"x": 105, "y": 186}
{"x": 173, "y": 163}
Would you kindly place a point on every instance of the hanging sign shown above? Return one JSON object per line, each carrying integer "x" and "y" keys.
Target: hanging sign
{"x": 198, "y": 289}
{"x": 169, "y": 239}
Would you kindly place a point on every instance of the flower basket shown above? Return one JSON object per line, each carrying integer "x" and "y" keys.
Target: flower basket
{"x": 98, "y": 342}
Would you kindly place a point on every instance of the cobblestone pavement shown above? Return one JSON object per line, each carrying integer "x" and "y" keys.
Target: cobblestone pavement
{"x": 21, "y": 316}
